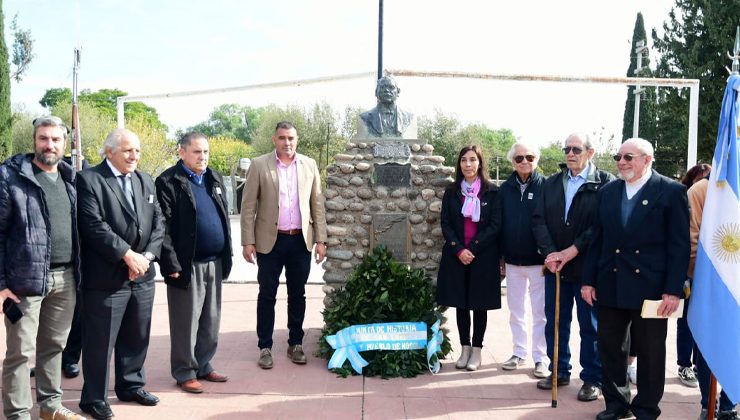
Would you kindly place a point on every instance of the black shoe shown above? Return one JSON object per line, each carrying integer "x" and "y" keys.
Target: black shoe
{"x": 32, "y": 372}
{"x": 71, "y": 370}
{"x": 588, "y": 392}
{"x": 99, "y": 410}
{"x": 141, "y": 396}
{"x": 613, "y": 415}
{"x": 547, "y": 382}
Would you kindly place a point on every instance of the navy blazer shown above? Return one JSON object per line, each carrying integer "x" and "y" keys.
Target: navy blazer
{"x": 109, "y": 227}
{"x": 649, "y": 256}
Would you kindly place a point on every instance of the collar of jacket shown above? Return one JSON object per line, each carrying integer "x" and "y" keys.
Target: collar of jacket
{"x": 23, "y": 164}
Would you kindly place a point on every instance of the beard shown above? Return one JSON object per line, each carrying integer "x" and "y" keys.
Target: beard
{"x": 627, "y": 176}
{"x": 48, "y": 159}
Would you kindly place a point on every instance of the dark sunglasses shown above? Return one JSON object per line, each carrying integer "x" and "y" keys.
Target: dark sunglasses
{"x": 627, "y": 157}
{"x": 520, "y": 159}
{"x": 576, "y": 150}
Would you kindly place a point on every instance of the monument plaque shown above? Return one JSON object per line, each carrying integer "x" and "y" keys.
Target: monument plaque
{"x": 393, "y": 231}
{"x": 392, "y": 175}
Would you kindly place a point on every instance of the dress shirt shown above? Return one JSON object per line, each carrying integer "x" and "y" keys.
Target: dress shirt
{"x": 574, "y": 183}
{"x": 289, "y": 213}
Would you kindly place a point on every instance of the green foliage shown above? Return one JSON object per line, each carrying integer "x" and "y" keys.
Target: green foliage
{"x": 6, "y": 136}
{"x": 231, "y": 121}
{"x": 648, "y": 123}
{"x": 225, "y": 153}
{"x": 22, "y": 130}
{"x": 104, "y": 102}
{"x": 696, "y": 37}
{"x": 22, "y": 49}
{"x": 157, "y": 152}
{"x": 383, "y": 290}
{"x": 448, "y": 136}
{"x": 317, "y": 127}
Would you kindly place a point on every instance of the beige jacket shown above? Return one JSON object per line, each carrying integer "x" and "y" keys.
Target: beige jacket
{"x": 260, "y": 201}
{"x": 697, "y": 194}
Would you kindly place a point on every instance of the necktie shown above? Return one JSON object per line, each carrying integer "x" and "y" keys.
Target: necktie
{"x": 127, "y": 191}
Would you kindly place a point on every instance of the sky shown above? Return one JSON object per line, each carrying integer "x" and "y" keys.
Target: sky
{"x": 146, "y": 47}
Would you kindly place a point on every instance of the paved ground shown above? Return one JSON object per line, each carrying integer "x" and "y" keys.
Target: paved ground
{"x": 312, "y": 392}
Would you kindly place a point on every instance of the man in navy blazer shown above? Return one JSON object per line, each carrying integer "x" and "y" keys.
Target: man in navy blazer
{"x": 121, "y": 230}
{"x": 640, "y": 251}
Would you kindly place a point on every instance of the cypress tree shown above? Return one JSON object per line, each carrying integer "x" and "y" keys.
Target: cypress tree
{"x": 6, "y": 136}
{"x": 647, "y": 104}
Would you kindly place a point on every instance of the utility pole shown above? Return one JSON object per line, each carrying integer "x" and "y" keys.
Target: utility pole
{"x": 380, "y": 39}
{"x": 639, "y": 50}
{"x": 76, "y": 143}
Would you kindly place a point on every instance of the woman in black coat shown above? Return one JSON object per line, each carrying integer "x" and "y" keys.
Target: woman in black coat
{"x": 469, "y": 276}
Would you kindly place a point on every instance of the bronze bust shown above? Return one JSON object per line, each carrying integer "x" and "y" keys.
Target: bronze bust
{"x": 387, "y": 119}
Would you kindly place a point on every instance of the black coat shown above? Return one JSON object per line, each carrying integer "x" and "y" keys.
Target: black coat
{"x": 176, "y": 199}
{"x": 485, "y": 278}
{"x": 553, "y": 233}
{"x": 649, "y": 256}
{"x": 25, "y": 252}
{"x": 517, "y": 240}
{"x": 109, "y": 228}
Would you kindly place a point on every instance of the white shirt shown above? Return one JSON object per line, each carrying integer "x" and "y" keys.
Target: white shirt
{"x": 633, "y": 187}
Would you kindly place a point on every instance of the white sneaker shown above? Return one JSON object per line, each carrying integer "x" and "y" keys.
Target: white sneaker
{"x": 540, "y": 370}
{"x": 513, "y": 363}
{"x": 632, "y": 372}
{"x": 687, "y": 376}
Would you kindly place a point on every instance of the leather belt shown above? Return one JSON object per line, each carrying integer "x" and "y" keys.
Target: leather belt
{"x": 290, "y": 232}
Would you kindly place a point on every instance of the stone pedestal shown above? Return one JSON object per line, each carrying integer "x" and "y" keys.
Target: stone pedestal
{"x": 384, "y": 192}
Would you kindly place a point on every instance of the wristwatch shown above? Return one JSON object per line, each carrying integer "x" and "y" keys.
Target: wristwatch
{"x": 149, "y": 256}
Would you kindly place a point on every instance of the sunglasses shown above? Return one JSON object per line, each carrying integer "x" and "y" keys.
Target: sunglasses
{"x": 627, "y": 157}
{"x": 576, "y": 150}
{"x": 520, "y": 159}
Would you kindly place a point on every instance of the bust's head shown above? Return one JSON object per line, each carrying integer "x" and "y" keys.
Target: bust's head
{"x": 387, "y": 90}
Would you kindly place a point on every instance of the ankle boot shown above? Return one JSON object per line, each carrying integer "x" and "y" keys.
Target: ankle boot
{"x": 474, "y": 361}
{"x": 462, "y": 362}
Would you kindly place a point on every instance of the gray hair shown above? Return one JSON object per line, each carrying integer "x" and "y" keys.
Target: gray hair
{"x": 585, "y": 138}
{"x": 113, "y": 141}
{"x": 643, "y": 146}
{"x": 49, "y": 121}
{"x": 512, "y": 152}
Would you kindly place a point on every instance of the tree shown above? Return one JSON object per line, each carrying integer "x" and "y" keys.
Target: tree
{"x": 104, "y": 101}
{"x": 696, "y": 37}
{"x": 22, "y": 49}
{"x": 6, "y": 135}
{"x": 231, "y": 121}
{"x": 647, "y": 104}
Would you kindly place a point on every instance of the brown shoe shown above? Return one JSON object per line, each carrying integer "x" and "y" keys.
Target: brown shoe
{"x": 192, "y": 385}
{"x": 265, "y": 361}
{"x": 213, "y": 376}
{"x": 59, "y": 414}
{"x": 296, "y": 354}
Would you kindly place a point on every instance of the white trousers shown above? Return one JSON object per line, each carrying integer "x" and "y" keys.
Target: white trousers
{"x": 523, "y": 281}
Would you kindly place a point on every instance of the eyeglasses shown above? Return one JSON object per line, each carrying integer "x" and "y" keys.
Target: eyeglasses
{"x": 627, "y": 157}
{"x": 520, "y": 159}
{"x": 576, "y": 150}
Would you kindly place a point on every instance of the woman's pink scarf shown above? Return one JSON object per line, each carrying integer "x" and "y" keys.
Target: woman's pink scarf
{"x": 471, "y": 205}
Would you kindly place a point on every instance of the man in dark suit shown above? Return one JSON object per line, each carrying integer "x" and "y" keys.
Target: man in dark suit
{"x": 121, "y": 228}
{"x": 640, "y": 251}
{"x": 196, "y": 257}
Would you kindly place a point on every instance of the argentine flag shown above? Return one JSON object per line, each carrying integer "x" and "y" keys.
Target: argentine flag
{"x": 714, "y": 311}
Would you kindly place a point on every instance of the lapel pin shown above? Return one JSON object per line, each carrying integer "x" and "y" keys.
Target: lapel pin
{"x": 151, "y": 198}
{"x": 218, "y": 190}
{"x": 644, "y": 202}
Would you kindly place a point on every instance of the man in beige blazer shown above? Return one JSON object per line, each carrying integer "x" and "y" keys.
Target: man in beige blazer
{"x": 282, "y": 218}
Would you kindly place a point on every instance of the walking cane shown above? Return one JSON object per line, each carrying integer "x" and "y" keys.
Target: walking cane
{"x": 555, "y": 342}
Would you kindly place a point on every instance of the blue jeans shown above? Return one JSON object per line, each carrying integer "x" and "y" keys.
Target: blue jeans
{"x": 684, "y": 339}
{"x": 589, "y": 355}
{"x": 702, "y": 375}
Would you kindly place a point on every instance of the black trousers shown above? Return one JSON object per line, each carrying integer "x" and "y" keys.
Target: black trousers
{"x": 649, "y": 336}
{"x": 289, "y": 252}
{"x": 73, "y": 349}
{"x": 117, "y": 320}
